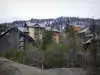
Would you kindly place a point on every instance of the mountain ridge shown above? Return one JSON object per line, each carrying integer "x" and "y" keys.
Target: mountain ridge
{"x": 59, "y": 22}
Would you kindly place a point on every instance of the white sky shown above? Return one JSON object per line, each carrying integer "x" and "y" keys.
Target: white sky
{"x": 26, "y": 9}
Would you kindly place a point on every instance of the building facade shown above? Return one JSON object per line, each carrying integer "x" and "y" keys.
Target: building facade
{"x": 55, "y": 34}
{"x": 35, "y": 31}
{"x": 14, "y": 39}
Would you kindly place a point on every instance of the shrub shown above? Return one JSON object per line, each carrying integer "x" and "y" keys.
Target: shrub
{"x": 18, "y": 55}
{"x": 55, "y": 56}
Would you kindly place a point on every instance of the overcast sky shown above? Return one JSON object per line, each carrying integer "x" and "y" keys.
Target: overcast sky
{"x": 26, "y": 9}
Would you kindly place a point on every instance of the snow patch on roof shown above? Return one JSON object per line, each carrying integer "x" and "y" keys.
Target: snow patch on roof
{"x": 55, "y": 30}
{"x": 79, "y": 26}
{"x": 89, "y": 35}
{"x": 52, "y": 29}
{"x": 35, "y": 24}
{"x": 84, "y": 30}
{"x": 88, "y": 41}
{"x": 30, "y": 24}
{"x": 47, "y": 28}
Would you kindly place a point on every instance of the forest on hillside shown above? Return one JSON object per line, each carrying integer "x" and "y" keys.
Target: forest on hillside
{"x": 58, "y": 23}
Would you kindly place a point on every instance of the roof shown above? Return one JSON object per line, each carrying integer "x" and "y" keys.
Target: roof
{"x": 23, "y": 29}
{"x": 77, "y": 29}
{"x": 79, "y": 26}
{"x": 48, "y": 28}
{"x": 89, "y": 35}
{"x": 91, "y": 41}
{"x": 83, "y": 30}
{"x": 22, "y": 33}
{"x": 38, "y": 25}
{"x": 29, "y": 24}
{"x": 95, "y": 38}
{"x": 52, "y": 29}
{"x": 55, "y": 30}
{"x": 41, "y": 25}
{"x": 88, "y": 41}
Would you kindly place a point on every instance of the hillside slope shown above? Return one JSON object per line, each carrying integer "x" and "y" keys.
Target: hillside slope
{"x": 12, "y": 68}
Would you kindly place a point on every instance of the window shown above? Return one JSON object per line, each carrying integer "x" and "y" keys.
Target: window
{"x": 21, "y": 39}
{"x": 21, "y": 43}
{"x": 21, "y": 48}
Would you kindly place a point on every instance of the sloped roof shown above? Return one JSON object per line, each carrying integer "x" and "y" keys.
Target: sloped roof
{"x": 95, "y": 38}
{"x": 89, "y": 35}
{"x": 52, "y": 29}
{"x": 38, "y": 25}
{"x": 77, "y": 29}
{"x": 79, "y": 26}
{"x": 88, "y": 41}
{"x": 55, "y": 30}
{"x": 41, "y": 25}
{"x": 83, "y": 30}
{"x": 23, "y": 29}
{"x": 91, "y": 41}
{"x": 30, "y": 24}
{"x": 48, "y": 28}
